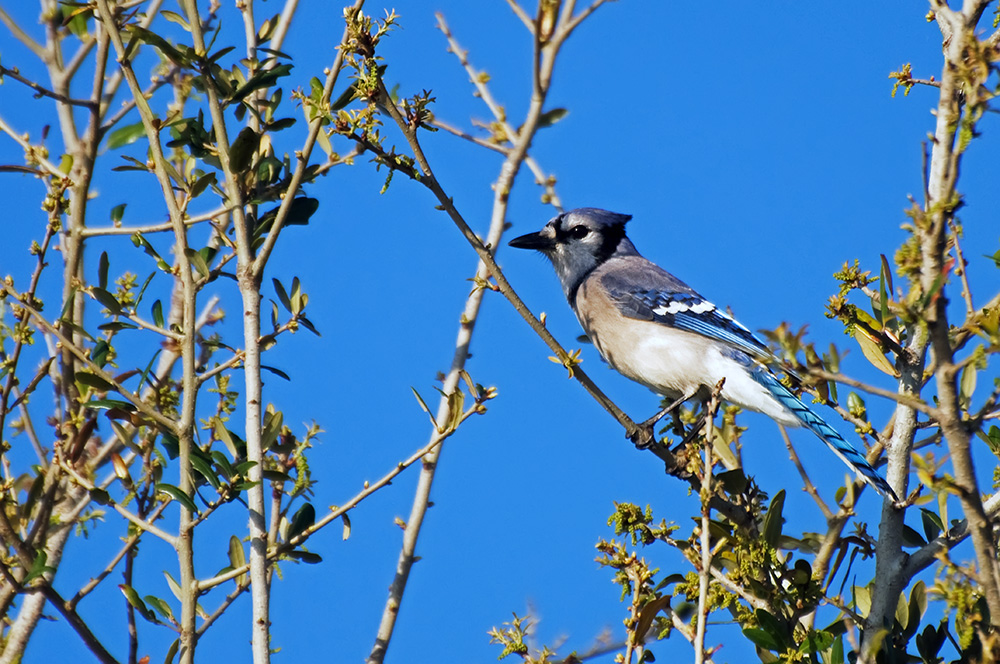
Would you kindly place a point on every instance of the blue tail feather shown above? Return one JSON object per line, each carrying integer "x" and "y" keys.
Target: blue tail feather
{"x": 843, "y": 449}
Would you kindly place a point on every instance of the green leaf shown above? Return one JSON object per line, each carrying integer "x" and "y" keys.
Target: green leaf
{"x": 149, "y": 367}
{"x": 107, "y": 300}
{"x": 837, "y": 652}
{"x": 125, "y": 135}
{"x": 75, "y": 20}
{"x": 932, "y": 523}
{"x": 762, "y": 639}
{"x": 74, "y": 327}
{"x": 302, "y": 208}
{"x": 201, "y": 184}
{"x": 772, "y": 520}
{"x": 816, "y": 642}
{"x": 139, "y": 241}
{"x": 171, "y": 445}
{"x": 911, "y": 538}
{"x": 423, "y": 407}
{"x": 133, "y": 598}
{"x": 773, "y": 627}
{"x": 176, "y": 18}
{"x": 102, "y": 270}
{"x": 204, "y": 469}
{"x": 157, "y": 311}
{"x": 170, "y": 52}
{"x": 172, "y": 651}
{"x": 100, "y": 496}
{"x": 306, "y": 557}
{"x": 549, "y": 118}
{"x": 649, "y": 612}
{"x": 862, "y": 600}
{"x": 276, "y": 476}
{"x": 178, "y": 495}
{"x": 38, "y": 568}
{"x": 175, "y": 587}
{"x": 111, "y": 404}
{"x": 917, "y": 607}
{"x": 274, "y": 421}
{"x": 117, "y": 214}
{"x": 276, "y": 372}
{"x": 161, "y": 606}
{"x": 262, "y": 79}
{"x": 93, "y": 380}
{"x": 283, "y": 123}
{"x": 116, "y": 326}
{"x": 303, "y": 519}
{"x": 902, "y": 614}
{"x": 346, "y": 534}
{"x": 306, "y": 323}
{"x": 220, "y": 459}
{"x": 197, "y": 261}
{"x": 886, "y": 274}
{"x": 236, "y": 446}
{"x": 345, "y": 97}
{"x": 142, "y": 291}
{"x": 221, "y": 52}
{"x": 967, "y": 385}
{"x": 282, "y": 295}
{"x": 237, "y": 558}
{"x": 242, "y": 150}
{"x": 99, "y": 353}
{"x": 883, "y": 296}
{"x": 874, "y": 353}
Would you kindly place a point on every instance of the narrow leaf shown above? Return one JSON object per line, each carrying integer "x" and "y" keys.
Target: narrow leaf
{"x": 874, "y": 354}
{"x": 304, "y": 518}
{"x": 102, "y": 270}
{"x": 549, "y": 118}
{"x": 107, "y": 300}
{"x": 773, "y": 520}
{"x": 178, "y": 495}
{"x": 157, "y": 312}
{"x": 237, "y": 558}
{"x": 93, "y": 380}
{"x": 125, "y": 135}
{"x": 282, "y": 295}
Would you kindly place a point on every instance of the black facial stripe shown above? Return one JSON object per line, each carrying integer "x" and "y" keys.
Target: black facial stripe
{"x": 610, "y": 239}
{"x": 562, "y": 234}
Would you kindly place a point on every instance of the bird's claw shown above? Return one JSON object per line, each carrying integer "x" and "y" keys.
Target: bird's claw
{"x": 643, "y": 437}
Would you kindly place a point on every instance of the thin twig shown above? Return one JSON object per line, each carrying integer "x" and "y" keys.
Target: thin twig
{"x": 910, "y": 401}
{"x": 704, "y": 571}
{"x": 337, "y": 512}
{"x": 810, "y": 487}
{"x": 42, "y": 90}
{"x": 32, "y": 154}
{"x": 23, "y": 36}
{"x": 970, "y": 310}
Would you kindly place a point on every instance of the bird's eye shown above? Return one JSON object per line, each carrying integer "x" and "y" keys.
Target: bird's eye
{"x": 579, "y": 232}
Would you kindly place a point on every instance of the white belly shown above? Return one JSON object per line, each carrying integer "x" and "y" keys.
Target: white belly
{"x": 674, "y": 362}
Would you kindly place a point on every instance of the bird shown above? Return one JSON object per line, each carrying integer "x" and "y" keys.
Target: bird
{"x": 653, "y": 328}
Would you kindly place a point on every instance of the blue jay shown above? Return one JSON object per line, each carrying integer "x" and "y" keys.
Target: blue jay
{"x": 653, "y": 328}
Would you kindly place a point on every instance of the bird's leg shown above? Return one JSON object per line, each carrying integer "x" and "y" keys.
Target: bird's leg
{"x": 644, "y": 435}
{"x": 695, "y": 428}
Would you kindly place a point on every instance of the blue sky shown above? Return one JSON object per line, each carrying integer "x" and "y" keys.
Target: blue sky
{"x": 757, "y": 147}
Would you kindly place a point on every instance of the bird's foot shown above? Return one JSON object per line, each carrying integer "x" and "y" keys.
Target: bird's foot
{"x": 644, "y": 436}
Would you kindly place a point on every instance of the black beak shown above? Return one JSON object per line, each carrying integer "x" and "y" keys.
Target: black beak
{"x": 535, "y": 241}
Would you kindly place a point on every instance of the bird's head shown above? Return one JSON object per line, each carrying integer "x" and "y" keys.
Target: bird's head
{"x": 578, "y": 241}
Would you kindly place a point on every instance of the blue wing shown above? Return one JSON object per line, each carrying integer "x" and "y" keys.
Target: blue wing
{"x": 686, "y": 310}
{"x": 843, "y": 449}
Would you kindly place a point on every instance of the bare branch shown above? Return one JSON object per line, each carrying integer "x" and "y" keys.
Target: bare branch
{"x": 22, "y": 36}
